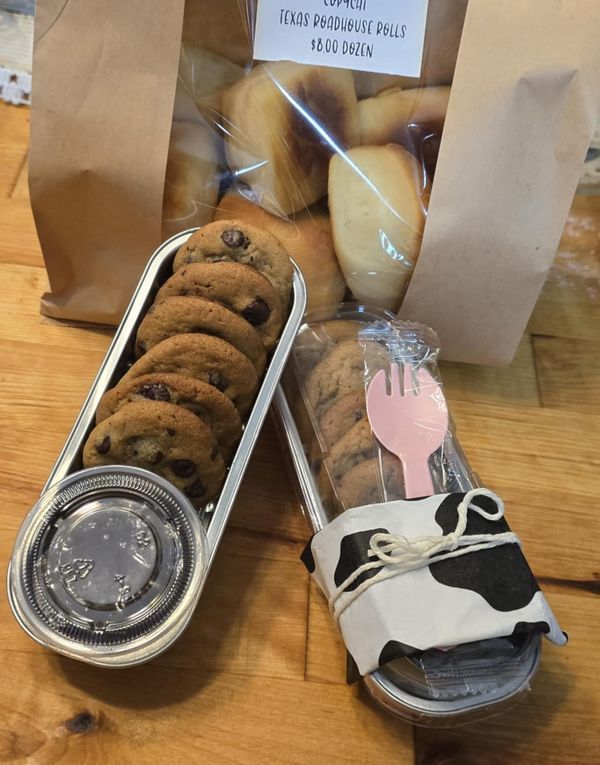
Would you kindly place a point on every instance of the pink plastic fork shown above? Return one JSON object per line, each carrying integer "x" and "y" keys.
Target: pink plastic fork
{"x": 411, "y": 424}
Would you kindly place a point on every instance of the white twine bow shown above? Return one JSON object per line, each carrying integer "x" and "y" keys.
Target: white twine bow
{"x": 396, "y": 555}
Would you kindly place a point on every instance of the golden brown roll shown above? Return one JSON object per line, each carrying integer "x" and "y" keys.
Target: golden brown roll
{"x": 413, "y": 118}
{"x": 384, "y": 119}
{"x": 377, "y": 203}
{"x": 271, "y": 143}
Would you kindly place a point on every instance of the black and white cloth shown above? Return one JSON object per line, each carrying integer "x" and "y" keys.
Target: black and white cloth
{"x": 405, "y": 576}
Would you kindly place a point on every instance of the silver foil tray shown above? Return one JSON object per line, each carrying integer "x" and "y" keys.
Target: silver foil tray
{"x": 398, "y": 692}
{"x": 118, "y": 358}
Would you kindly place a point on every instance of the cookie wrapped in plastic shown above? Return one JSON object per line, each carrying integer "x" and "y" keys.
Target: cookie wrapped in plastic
{"x": 335, "y": 361}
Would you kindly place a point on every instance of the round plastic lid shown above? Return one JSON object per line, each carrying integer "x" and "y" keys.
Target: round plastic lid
{"x": 107, "y": 565}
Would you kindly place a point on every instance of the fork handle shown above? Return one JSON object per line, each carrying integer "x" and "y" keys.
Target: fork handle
{"x": 417, "y": 478}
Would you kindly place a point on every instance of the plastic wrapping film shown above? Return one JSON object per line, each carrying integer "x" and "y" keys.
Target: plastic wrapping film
{"x": 360, "y": 484}
{"x": 335, "y": 360}
{"x": 337, "y": 163}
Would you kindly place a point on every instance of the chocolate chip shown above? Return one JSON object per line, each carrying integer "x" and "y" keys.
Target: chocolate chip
{"x": 197, "y": 489}
{"x": 183, "y": 468}
{"x": 216, "y": 380}
{"x": 358, "y": 415}
{"x": 156, "y": 458}
{"x": 257, "y": 312}
{"x": 171, "y": 432}
{"x": 234, "y": 238}
{"x": 155, "y": 391}
{"x": 103, "y": 446}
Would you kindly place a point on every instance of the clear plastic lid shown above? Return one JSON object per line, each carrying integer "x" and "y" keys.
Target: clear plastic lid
{"x": 107, "y": 566}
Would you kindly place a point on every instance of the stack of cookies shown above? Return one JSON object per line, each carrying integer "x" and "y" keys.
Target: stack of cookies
{"x": 201, "y": 350}
{"x": 352, "y": 468}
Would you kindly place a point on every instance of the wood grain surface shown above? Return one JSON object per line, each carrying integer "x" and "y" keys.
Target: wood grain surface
{"x": 259, "y": 677}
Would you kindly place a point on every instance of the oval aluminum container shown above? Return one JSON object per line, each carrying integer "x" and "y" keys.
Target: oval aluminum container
{"x": 107, "y": 565}
{"x": 403, "y": 687}
{"x": 110, "y": 563}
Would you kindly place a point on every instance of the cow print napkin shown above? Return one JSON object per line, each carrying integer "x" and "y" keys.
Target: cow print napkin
{"x": 484, "y": 594}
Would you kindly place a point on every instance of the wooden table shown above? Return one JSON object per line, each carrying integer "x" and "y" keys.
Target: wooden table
{"x": 259, "y": 675}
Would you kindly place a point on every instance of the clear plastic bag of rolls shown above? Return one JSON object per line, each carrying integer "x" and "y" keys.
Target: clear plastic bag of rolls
{"x": 336, "y": 163}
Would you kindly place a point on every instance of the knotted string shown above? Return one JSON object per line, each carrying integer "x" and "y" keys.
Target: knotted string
{"x": 396, "y": 555}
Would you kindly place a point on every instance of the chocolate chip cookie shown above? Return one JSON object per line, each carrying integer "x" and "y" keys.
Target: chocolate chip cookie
{"x": 237, "y": 287}
{"x": 165, "y": 439}
{"x": 375, "y": 480}
{"x": 205, "y": 401}
{"x": 342, "y": 415}
{"x": 336, "y": 421}
{"x": 205, "y": 358}
{"x": 239, "y": 242}
{"x": 342, "y": 371}
{"x": 181, "y": 315}
{"x": 356, "y": 446}
{"x": 320, "y": 337}
{"x": 339, "y": 373}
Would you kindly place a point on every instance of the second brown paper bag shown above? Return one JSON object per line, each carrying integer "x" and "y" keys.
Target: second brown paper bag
{"x": 522, "y": 112}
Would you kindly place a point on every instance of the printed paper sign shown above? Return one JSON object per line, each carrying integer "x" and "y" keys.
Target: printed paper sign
{"x": 383, "y": 36}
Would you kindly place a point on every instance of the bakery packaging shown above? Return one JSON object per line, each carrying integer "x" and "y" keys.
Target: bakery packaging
{"x": 420, "y": 157}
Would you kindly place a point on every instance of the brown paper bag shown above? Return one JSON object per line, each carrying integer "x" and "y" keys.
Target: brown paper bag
{"x": 522, "y": 112}
{"x": 104, "y": 80}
